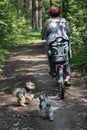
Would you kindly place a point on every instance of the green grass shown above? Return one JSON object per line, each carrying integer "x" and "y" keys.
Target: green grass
{"x": 3, "y": 53}
{"x": 30, "y": 36}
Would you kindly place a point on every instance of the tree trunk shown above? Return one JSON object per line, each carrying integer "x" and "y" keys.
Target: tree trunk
{"x": 18, "y": 5}
{"x": 50, "y": 2}
{"x": 26, "y": 8}
{"x": 40, "y": 9}
{"x": 35, "y": 14}
{"x": 64, "y": 8}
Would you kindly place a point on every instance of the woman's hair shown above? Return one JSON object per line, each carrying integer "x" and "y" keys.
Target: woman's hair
{"x": 54, "y": 11}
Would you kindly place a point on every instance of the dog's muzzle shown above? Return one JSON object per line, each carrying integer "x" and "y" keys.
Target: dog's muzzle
{"x": 48, "y": 105}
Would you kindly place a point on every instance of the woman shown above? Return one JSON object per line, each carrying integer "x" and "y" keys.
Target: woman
{"x": 56, "y": 27}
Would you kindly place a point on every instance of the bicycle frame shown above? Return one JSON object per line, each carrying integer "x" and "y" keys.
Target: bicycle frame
{"x": 59, "y": 73}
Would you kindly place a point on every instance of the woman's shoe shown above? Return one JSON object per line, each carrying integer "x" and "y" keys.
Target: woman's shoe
{"x": 67, "y": 82}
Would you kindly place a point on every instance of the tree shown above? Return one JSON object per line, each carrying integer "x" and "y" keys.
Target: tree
{"x": 37, "y": 14}
{"x": 40, "y": 9}
{"x": 34, "y": 14}
{"x": 18, "y": 7}
{"x": 50, "y": 2}
{"x": 64, "y": 8}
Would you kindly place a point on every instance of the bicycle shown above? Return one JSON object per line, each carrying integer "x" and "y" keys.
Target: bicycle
{"x": 58, "y": 51}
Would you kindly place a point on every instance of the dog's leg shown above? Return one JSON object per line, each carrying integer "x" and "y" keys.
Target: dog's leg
{"x": 43, "y": 113}
{"x": 40, "y": 112}
{"x": 21, "y": 102}
{"x": 50, "y": 114}
{"x": 28, "y": 97}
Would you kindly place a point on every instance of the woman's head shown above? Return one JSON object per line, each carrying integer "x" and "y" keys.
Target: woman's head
{"x": 54, "y": 11}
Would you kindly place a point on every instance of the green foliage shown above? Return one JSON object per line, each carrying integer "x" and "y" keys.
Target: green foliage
{"x": 79, "y": 59}
{"x": 10, "y": 28}
{"x": 77, "y": 18}
{"x": 3, "y": 53}
{"x": 45, "y": 9}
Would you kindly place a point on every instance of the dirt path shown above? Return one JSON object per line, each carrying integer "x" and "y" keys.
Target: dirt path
{"x": 29, "y": 62}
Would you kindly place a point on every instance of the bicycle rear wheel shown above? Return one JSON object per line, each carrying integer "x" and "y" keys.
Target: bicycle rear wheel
{"x": 61, "y": 88}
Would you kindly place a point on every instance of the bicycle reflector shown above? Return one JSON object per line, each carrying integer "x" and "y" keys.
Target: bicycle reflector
{"x": 62, "y": 66}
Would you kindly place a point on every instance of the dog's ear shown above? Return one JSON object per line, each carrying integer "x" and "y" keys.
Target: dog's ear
{"x": 46, "y": 95}
{"x": 40, "y": 97}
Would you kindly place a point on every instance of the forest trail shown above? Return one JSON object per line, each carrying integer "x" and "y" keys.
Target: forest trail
{"x": 29, "y": 63}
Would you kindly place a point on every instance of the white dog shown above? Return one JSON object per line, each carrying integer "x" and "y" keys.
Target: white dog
{"x": 45, "y": 108}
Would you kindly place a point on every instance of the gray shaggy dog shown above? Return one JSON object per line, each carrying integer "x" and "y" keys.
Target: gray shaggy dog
{"x": 45, "y": 107}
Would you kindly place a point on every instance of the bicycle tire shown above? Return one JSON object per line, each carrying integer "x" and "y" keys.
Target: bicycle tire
{"x": 61, "y": 87}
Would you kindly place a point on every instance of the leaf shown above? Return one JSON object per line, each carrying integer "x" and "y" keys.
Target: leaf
{"x": 3, "y": 23}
